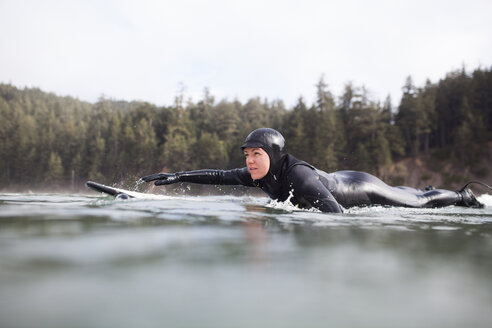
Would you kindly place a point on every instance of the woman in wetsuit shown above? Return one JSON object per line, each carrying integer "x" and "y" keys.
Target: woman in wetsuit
{"x": 283, "y": 177}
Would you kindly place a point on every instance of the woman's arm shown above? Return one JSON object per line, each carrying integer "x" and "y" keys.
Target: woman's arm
{"x": 309, "y": 190}
{"x": 217, "y": 177}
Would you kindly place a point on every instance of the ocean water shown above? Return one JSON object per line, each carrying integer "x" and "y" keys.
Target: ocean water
{"x": 223, "y": 261}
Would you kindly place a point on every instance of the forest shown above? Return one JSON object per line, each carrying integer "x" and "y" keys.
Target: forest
{"x": 53, "y": 142}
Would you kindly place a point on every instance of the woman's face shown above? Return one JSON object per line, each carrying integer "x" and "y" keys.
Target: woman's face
{"x": 257, "y": 161}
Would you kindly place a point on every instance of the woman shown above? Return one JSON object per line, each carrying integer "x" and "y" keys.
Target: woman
{"x": 283, "y": 177}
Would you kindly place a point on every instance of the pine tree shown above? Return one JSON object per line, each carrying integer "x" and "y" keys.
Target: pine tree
{"x": 407, "y": 115}
{"x": 54, "y": 172}
{"x": 209, "y": 152}
{"x": 294, "y": 131}
{"x": 326, "y": 128}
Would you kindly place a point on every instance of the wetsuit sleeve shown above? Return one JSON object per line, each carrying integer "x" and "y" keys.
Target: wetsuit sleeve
{"x": 310, "y": 191}
{"x": 217, "y": 177}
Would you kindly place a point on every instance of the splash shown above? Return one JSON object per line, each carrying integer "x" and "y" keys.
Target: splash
{"x": 485, "y": 199}
{"x": 285, "y": 205}
{"x": 138, "y": 183}
{"x": 288, "y": 206}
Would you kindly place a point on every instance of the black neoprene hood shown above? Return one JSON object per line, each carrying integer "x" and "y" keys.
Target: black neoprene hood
{"x": 269, "y": 140}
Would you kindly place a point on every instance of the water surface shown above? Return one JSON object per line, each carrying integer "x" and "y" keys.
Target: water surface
{"x": 221, "y": 261}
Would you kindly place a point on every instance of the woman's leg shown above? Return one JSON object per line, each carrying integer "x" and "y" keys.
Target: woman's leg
{"x": 355, "y": 188}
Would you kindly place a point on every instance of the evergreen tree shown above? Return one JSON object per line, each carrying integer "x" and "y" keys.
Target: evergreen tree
{"x": 54, "y": 172}
{"x": 294, "y": 131}
{"x": 407, "y": 115}
{"x": 6, "y": 143}
{"x": 177, "y": 154}
{"x": 468, "y": 133}
{"x": 427, "y": 118}
{"x": 481, "y": 99}
{"x": 326, "y": 128}
{"x": 209, "y": 152}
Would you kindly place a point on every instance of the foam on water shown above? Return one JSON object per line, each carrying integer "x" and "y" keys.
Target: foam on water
{"x": 485, "y": 199}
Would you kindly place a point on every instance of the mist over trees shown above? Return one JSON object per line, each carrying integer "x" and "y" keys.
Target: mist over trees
{"x": 47, "y": 140}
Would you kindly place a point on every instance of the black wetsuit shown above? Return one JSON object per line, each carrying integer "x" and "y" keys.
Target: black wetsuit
{"x": 307, "y": 187}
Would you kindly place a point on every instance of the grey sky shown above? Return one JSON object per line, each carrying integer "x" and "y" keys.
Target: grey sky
{"x": 142, "y": 50}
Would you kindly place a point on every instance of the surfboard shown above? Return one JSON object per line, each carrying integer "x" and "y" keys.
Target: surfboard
{"x": 121, "y": 193}
{"x": 116, "y": 192}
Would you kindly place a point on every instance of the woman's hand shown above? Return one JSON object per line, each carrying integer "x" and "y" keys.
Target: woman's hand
{"x": 161, "y": 178}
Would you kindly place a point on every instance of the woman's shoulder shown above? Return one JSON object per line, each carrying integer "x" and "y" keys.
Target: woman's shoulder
{"x": 292, "y": 163}
{"x": 297, "y": 170}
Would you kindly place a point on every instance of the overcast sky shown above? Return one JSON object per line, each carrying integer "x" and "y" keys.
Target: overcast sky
{"x": 144, "y": 50}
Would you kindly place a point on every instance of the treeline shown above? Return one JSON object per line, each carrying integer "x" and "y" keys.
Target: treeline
{"x": 52, "y": 141}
